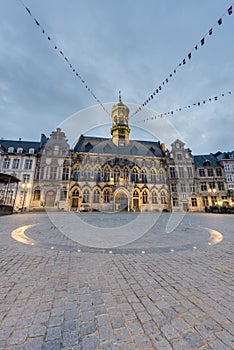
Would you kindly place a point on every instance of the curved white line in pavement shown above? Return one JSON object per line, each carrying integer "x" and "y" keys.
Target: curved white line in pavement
{"x": 215, "y": 236}
{"x": 18, "y": 235}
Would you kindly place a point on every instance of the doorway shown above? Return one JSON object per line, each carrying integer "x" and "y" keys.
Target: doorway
{"x": 50, "y": 199}
{"x": 121, "y": 201}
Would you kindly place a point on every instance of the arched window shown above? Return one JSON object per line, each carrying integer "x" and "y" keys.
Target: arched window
{"x": 135, "y": 193}
{"x": 143, "y": 176}
{"x": 37, "y": 194}
{"x": 75, "y": 193}
{"x": 144, "y": 197}
{"x": 106, "y": 174}
{"x": 63, "y": 194}
{"x": 116, "y": 174}
{"x": 126, "y": 173}
{"x": 10, "y": 149}
{"x": 97, "y": 174}
{"x": 134, "y": 175}
{"x": 161, "y": 177}
{"x": 154, "y": 197}
{"x": 153, "y": 177}
{"x": 86, "y": 196}
{"x": 96, "y": 196}
{"x": 87, "y": 174}
{"x": 76, "y": 174}
{"x": 163, "y": 198}
{"x": 106, "y": 196}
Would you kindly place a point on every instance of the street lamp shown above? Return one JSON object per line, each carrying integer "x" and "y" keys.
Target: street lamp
{"x": 25, "y": 187}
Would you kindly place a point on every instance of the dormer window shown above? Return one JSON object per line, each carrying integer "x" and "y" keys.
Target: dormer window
{"x": 10, "y": 149}
{"x": 19, "y": 150}
{"x": 88, "y": 147}
{"x": 31, "y": 150}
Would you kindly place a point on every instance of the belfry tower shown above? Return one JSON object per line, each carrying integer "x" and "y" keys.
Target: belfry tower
{"x": 120, "y": 130}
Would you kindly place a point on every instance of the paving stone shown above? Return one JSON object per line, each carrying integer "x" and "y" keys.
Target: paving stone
{"x": 105, "y": 333}
{"x": 34, "y": 343}
{"x": 53, "y": 333}
{"x": 117, "y": 322}
{"x": 19, "y": 336}
{"x": 90, "y": 342}
{"x": 70, "y": 338}
{"x": 87, "y": 328}
{"x": 193, "y": 338}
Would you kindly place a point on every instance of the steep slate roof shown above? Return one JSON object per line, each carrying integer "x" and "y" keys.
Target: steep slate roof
{"x": 26, "y": 145}
{"x": 225, "y": 155}
{"x": 201, "y": 160}
{"x": 103, "y": 145}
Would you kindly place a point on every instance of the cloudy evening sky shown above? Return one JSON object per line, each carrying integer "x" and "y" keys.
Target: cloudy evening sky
{"x": 127, "y": 45}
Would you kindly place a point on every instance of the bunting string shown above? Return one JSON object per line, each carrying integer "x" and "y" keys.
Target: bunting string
{"x": 66, "y": 59}
{"x": 174, "y": 111}
{"x": 187, "y": 58}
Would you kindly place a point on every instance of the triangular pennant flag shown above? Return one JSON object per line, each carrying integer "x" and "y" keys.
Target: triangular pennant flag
{"x": 166, "y": 80}
{"x": 196, "y": 48}
{"x": 211, "y": 31}
{"x": 28, "y": 11}
{"x": 174, "y": 71}
{"x": 160, "y": 88}
{"x": 204, "y": 101}
{"x": 198, "y": 103}
{"x": 48, "y": 38}
{"x": 37, "y": 22}
{"x": 152, "y": 96}
{"x": 230, "y": 10}
{"x": 189, "y": 55}
{"x": 184, "y": 61}
{"x": 229, "y": 92}
{"x": 216, "y": 98}
{"x": 55, "y": 47}
{"x": 219, "y": 22}
{"x": 202, "y": 41}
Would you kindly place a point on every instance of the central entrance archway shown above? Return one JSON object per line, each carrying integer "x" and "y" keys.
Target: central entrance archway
{"x": 121, "y": 201}
{"x": 50, "y": 198}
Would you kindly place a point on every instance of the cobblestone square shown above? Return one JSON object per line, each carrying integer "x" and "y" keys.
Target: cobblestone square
{"x": 162, "y": 291}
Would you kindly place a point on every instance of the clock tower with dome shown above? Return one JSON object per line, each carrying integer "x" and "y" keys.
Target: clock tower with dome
{"x": 120, "y": 130}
